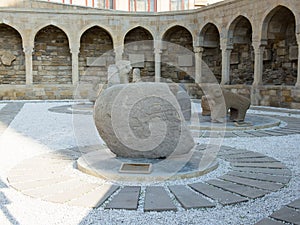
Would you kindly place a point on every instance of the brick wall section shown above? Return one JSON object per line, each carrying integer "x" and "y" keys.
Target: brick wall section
{"x": 11, "y": 41}
{"x": 95, "y": 43}
{"x": 52, "y": 62}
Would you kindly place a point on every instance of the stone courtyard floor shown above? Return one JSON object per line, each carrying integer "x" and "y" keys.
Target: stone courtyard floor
{"x": 257, "y": 180}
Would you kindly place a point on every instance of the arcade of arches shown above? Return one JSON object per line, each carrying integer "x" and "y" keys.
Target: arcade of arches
{"x": 254, "y": 52}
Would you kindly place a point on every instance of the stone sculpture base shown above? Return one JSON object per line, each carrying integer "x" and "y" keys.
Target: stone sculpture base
{"x": 106, "y": 165}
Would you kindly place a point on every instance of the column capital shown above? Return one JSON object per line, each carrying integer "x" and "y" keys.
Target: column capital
{"x": 74, "y": 50}
{"x": 259, "y": 44}
{"x": 198, "y": 49}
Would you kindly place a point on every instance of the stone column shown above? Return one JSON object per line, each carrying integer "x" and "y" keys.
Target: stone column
{"x": 157, "y": 53}
{"x": 258, "y": 63}
{"x": 198, "y": 63}
{"x": 75, "y": 69}
{"x": 28, "y": 64}
{"x": 226, "y": 52}
{"x": 298, "y": 69}
{"x": 119, "y": 54}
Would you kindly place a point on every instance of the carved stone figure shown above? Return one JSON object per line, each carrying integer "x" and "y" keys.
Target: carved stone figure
{"x": 219, "y": 102}
{"x": 7, "y": 58}
{"x": 136, "y": 75}
{"x": 124, "y": 68}
{"x": 142, "y": 120}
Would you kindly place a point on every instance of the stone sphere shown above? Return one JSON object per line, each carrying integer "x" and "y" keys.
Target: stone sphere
{"x": 142, "y": 120}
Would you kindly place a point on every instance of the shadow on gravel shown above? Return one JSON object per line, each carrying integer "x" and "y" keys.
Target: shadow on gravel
{"x": 5, "y": 201}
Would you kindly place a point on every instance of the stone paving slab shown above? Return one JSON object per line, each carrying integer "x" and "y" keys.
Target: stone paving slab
{"x": 127, "y": 198}
{"x": 268, "y": 221}
{"x": 257, "y": 133}
{"x": 243, "y": 190}
{"x": 263, "y": 177}
{"x": 188, "y": 198}
{"x": 287, "y": 214}
{"x": 277, "y": 165}
{"x": 283, "y": 172}
{"x": 252, "y": 160}
{"x": 295, "y": 204}
{"x": 95, "y": 197}
{"x": 157, "y": 199}
{"x": 224, "y": 197}
{"x": 265, "y": 185}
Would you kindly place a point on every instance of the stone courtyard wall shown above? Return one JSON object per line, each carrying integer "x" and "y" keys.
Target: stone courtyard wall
{"x": 251, "y": 46}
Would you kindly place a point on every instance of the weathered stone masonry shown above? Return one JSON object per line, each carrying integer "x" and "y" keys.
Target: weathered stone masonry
{"x": 251, "y": 46}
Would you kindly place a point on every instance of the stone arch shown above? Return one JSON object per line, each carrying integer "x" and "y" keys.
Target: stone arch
{"x": 12, "y": 59}
{"x": 52, "y": 62}
{"x": 178, "y": 45}
{"x": 96, "y": 54}
{"x": 210, "y": 41}
{"x": 242, "y": 55}
{"x": 281, "y": 50}
{"x": 139, "y": 50}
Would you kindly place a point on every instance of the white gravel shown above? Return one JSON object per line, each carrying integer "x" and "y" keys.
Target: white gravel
{"x": 35, "y": 130}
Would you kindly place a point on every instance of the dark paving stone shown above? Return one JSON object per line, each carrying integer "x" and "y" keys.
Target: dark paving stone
{"x": 188, "y": 198}
{"x": 157, "y": 199}
{"x": 243, "y": 190}
{"x": 271, "y": 133}
{"x": 265, "y": 185}
{"x": 242, "y": 134}
{"x": 295, "y": 204}
{"x": 277, "y": 165}
{"x": 224, "y": 197}
{"x": 287, "y": 214}
{"x": 252, "y": 160}
{"x": 257, "y": 133}
{"x": 268, "y": 221}
{"x": 263, "y": 177}
{"x": 127, "y": 198}
{"x": 242, "y": 155}
{"x": 283, "y": 172}
{"x": 8, "y": 113}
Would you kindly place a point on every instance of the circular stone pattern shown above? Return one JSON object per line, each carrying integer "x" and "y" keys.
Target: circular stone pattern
{"x": 142, "y": 120}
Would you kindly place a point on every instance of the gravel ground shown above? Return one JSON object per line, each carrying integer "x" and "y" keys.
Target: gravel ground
{"x": 35, "y": 131}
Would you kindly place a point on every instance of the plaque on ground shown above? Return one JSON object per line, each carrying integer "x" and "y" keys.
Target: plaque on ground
{"x": 136, "y": 168}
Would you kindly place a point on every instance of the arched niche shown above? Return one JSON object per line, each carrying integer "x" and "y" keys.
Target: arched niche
{"x": 12, "y": 60}
{"x": 96, "y": 54}
{"x": 281, "y": 52}
{"x": 177, "y": 55}
{"x": 210, "y": 41}
{"x": 242, "y": 55}
{"x": 52, "y": 62}
{"x": 139, "y": 50}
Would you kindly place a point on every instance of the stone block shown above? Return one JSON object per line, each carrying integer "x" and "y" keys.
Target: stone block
{"x": 137, "y": 60}
{"x": 96, "y": 61}
{"x": 293, "y": 53}
{"x": 234, "y": 58}
{"x": 281, "y": 51}
{"x": 185, "y": 60}
{"x": 267, "y": 55}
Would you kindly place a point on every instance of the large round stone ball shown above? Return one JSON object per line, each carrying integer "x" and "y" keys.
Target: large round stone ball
{"x": 142, "y": 120}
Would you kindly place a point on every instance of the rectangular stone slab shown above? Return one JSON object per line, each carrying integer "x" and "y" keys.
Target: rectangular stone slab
{"x": 263, "y": 177}
{"x": 224, "y": 197}
{"x": 260, "y": 165}
{"x": 127, "y": 198}
{"x": 252, "y": 160}
{"x": 295, "y": 204}
{"x": 157, "y": 199}
{"x": 238, "y": 189}
{"x": 265, "y": 185}
{"x": 268, "y": 221}
{"x": 287, "y": 214}
{"x": 188, "y": 198}
{"x": 283, "y": 172}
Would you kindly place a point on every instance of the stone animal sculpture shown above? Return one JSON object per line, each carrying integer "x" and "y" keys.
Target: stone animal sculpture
{"x": 119, "y": 73}
{"x": 218, "y": 102}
